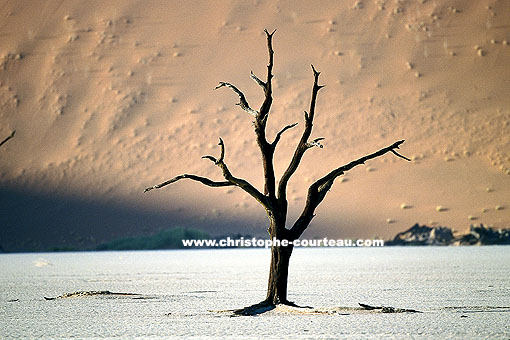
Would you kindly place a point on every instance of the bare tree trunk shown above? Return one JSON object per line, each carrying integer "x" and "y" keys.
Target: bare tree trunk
{"x": 278, "y": 275}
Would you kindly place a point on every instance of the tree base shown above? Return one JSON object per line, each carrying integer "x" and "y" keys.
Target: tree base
{"x": 266, "y": 306}
{"x": 262, "y": 307}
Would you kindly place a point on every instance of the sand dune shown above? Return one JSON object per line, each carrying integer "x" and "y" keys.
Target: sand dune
{"x": 109, "y": 98}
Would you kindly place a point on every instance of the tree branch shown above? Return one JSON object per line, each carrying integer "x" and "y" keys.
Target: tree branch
{"x": 315, "y": 142}
{"x": 399, "y": 155}
{"x": 200, "y": 179}
{"x": 222, "y": 154}
{"x": 257, "y": 80}
{"x": 267, "y": 150}
{"x": 318, "y": 190}
{"x": 241, "y": 183}
{"x": 8, "y": 137}
{"x": 279, "y": 134}
{"x": 303, "y": 144}
{"x": 341, "y": 170}
{"x": 242, "y": 99}
{"x": 230, "y": 179}
{"x": 266, "y": 105}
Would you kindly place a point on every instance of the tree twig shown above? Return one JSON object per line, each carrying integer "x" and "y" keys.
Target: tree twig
{"x": 315, "y": 142}
{"x": 279, "y": 134}
{"x": 257, "y": 80}
{"x": 8, "y": 137}
{"x": 401, "y": 156}
{"x": 243, "y": 103}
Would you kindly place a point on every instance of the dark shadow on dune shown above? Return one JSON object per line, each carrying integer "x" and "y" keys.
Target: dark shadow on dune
{"x": 47, "y": 222}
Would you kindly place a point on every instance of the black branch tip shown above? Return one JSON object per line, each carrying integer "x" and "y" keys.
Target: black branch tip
{"x": 257, "y": 79}
{"x": 211, "y": 158}
{"x": 316, "y": 75}
{"x": 401, "y": 156}
{"x": 315, "y": 72}
{"x": 8, "y": 138}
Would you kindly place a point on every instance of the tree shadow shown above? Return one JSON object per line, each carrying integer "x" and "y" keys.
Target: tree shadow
{"x": 263, "y": 307}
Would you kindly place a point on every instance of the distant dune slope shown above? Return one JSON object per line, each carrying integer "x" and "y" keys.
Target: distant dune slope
{"x": 108, "y": 98}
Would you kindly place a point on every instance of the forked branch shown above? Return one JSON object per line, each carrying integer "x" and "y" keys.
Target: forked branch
{"x": 266, "y": 149}
{"x": 230, "y": 179}
{"x": 318, "y": 190}
{"x": 222, "y": 154}
{"x": 303, "y": 144}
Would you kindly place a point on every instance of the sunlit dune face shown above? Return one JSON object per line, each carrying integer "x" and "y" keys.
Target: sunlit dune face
{"x": 111, "y": 98}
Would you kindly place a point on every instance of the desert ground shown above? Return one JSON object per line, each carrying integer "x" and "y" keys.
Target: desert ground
{"x": 108, "y": 98}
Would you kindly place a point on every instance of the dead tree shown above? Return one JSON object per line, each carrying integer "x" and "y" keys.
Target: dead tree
{"x": 274, "y": 196}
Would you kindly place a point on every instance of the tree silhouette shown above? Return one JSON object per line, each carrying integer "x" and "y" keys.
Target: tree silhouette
{"x": 274, "y": 197}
